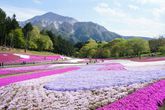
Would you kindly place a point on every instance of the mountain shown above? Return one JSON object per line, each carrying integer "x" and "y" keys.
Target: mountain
{"x": 71, "y": 29}
{"x": 49, "y": 19}
{"x": 146, "y": 38}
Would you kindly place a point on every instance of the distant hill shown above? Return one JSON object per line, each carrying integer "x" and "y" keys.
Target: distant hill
{"x": 128, "y": 37}
{"x": 73, "y": 30}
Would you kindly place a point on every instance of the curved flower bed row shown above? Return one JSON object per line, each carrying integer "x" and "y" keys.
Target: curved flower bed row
{"x": 88, "y": 77}
{"x": 148, "y": 98}
{"x": 148, "y": 59}
{"x": 9, "y": 58}
{"x": 12, "y": 79}
{"x": 17, "y": 70}
{"x": 36, "y": 58}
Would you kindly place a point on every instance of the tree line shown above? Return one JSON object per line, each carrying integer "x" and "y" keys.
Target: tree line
{"x": 32, "y": 38}
{"x": 120, "y": 47}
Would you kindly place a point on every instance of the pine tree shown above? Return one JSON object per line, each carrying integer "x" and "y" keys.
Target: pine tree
{"x": 26, "y": 30}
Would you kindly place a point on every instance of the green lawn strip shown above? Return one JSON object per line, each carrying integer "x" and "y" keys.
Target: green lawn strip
{"x": 21, "y": 51}
{"x": 35, "y": 64}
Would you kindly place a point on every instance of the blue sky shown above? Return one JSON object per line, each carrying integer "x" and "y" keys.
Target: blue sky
{"x": 126, "y": 17}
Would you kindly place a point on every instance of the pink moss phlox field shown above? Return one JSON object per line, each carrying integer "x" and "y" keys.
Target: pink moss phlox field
{"x": 5, "y": 71}
{"x": 12, "y": 79}
{"x": 35, "y": 58}
{"x": 147, "y": 98}
{"x": 112, "y": 66}
{"x": 7, "y": 57}
{"x": 148, "y": 59}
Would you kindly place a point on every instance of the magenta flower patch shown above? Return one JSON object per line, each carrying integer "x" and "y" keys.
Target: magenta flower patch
{"x": 9, "y": 58}
{"x": 12, "y": 79}
{"x": 6, "y": 71}
{"x": 112, "y": 66}
{"x": 148, "y": 98}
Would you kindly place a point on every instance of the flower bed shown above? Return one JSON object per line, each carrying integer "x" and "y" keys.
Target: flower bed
{"x": 37, "y": 58}
{"x": 16, "y": 70}
{"x": 148, "y": 59}
{"x": 88, "y": 77}
{"x": 112, "y": 66}
{"x": 12, "y": 79}
{"x": 9, "y": 58}
{"x": 148, "y": 98}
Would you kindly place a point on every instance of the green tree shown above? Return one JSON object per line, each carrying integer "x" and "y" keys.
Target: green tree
{"x": 18, "y": 38}
{"x": 63, "y": 46}
{"x": 14, "y": 25}
{"x": 92, "y": 53}
{"x": 129, "y": 50}
{"x": 106, "y": 53}
{"x": 155, "y": 44}
{"x": 88, "y": 48}
{"x": 117, "y": 47}
{"x": 26, "y": 30}
{"x": 103, "y": 53}
{"x": 34, "y": 35}
{"x": 2, "y": 26}
{"x": 139, "y": 46}
{"x": 162, "y": 49}
{"x": 8, "y": 23}
{"x": 44, "y": 43}
{"x": 102, "y": 50}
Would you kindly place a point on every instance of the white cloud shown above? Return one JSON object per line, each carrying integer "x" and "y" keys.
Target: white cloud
{"x": 159, "y": 3}
{"x": 145, "y": 26}
{"x": 118, "y": 4}
{"x": 21, "y": 13}
{"x": 131, "y": 32}
{"x": 158, "y": 12}
{"x": 104, "y": 9}
{"x": 37, "y": 1}
{"x": 139, "y": 25}
{"x": 150, "y": 1}
{"x": 133, "y": 7}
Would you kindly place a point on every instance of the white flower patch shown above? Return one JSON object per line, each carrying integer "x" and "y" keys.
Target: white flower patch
{"x": 22, "y": 56}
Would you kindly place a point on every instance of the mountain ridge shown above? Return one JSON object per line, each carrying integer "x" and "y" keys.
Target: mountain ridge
{"x": 73, "y": 30}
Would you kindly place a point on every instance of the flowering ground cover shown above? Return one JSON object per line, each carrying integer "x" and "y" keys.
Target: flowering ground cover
{"x": 89, "y": 77}
{"x": 36, "y": 58}
{"x": 9, "y": 58}
{"x": 148, "y": 98}
{"x": 141, "y": 66}
{"x": 148, "y": 59}
{"x": 12, "y": 79}
{"x": 17, "y": 70}
{"x": 112, "y": 66}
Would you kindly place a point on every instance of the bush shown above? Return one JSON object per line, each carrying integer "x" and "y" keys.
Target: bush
{"x": 162, "y": 49}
